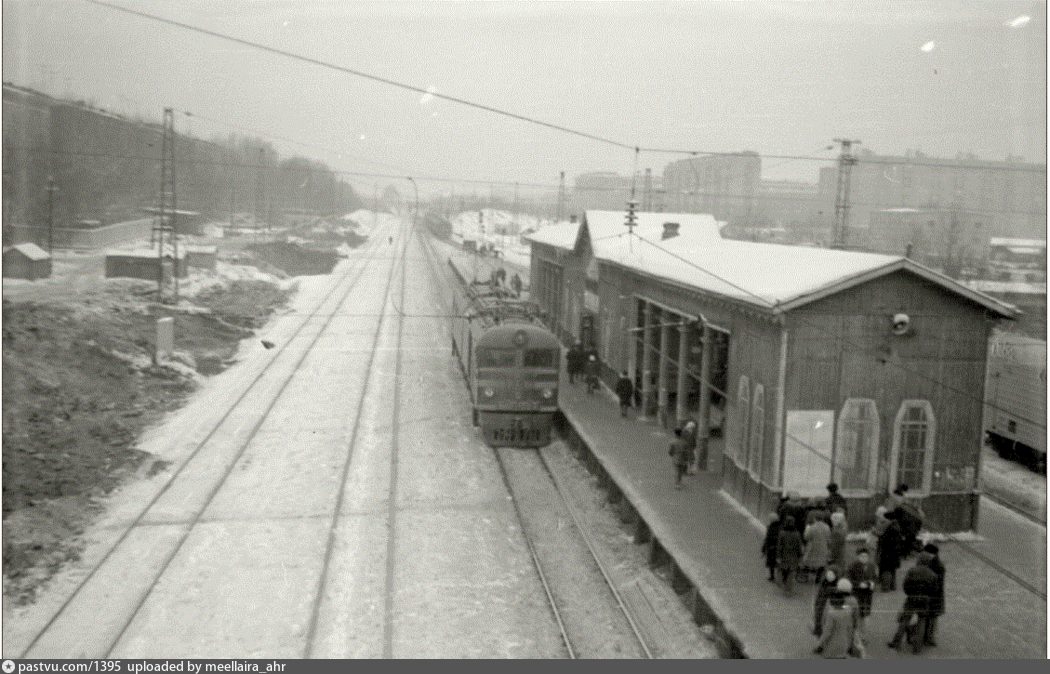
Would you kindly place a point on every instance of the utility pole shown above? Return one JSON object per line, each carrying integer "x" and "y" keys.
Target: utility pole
{"x": 259, "y": 191}
{"x": 51, "y": 189}
{"x": 166, "y": 207}
{"x": 561, "y": 196}
{"x": 846, "y": 162}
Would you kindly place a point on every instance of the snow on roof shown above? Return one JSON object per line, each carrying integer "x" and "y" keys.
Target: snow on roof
{"x": 560, "y": 235}
{"x": 1019, "y": 243}
{"x": 30, "y": 250}
{"x": 698, "y": 228}
{"x": 1018, "y": 250}
{"x": 768, "y": 275}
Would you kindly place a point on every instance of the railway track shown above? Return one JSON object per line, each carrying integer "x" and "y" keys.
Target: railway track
{"x": 594, "y": 620}
{"x": 326, "y": 310}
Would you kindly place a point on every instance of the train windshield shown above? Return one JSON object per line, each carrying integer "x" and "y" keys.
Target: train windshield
{"x": 497, "y": 357}
{"x": 541, "y": 358}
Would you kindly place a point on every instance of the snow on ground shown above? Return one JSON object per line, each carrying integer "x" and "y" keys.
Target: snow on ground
{"x": 367, "y": 220}
{"x": 503, "y": 230}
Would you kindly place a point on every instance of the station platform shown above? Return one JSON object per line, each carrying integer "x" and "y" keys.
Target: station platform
{"x": 713, "y": 548}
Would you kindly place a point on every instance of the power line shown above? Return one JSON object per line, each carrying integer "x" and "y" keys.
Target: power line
{"x": 358, "y": 73}
{"x": 524, "y": 118}
{"x": 841, "y": 338}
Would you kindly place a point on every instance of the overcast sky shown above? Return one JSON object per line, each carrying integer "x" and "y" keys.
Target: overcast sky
{"x": 777, "y": 78}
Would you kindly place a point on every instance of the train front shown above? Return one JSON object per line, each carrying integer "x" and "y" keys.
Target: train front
{"x": 516, "y": 385}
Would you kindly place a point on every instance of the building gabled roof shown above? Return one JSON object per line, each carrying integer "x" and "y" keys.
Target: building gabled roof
{"x": 774, "y": 277}
{"x": 999, "y": 241}
{"x": 30, "y": 250}
{"x": 563, "y": 235}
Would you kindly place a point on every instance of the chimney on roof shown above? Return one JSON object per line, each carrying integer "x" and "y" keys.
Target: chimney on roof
{"x": 670, "y": 231}
{"x": 572, "y": 218}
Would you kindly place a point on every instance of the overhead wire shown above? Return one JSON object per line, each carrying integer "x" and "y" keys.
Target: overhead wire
{"x": 1033, "y": 168}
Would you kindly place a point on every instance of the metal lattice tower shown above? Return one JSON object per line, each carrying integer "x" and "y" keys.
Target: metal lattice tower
{"x": 846, "y": 162}
{"x": 165, "y": 233}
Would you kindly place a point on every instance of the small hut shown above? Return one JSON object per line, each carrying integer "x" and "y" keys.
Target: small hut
{"x": 26, "y": 261}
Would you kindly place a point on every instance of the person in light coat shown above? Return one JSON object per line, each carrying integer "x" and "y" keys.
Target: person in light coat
{"x": 817, "y": 538}
{"x": 837, "y": 542}
{"x": 836, "y": 640}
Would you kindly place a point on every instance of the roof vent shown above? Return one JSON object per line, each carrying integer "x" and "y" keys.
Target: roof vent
{"x": 670, "y": 231}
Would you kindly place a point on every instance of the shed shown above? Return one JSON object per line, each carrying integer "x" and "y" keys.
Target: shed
{"x": 814, "y": 365}
{"x": 26, "y": 261}
{"x": 201, "y": 257}
{"x": 142, "y": 264}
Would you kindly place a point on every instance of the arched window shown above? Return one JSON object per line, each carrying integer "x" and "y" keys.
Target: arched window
{"x": 743, "y": 406}
{"x": 758, "y": 431}
{"x": 857, "y": 445}
{"x": 913, "y": 443}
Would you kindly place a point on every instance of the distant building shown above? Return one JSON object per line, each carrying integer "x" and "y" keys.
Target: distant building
{"x": 724, "y": 185}
{"x": 794, "y": 207}
{"x": 1030, "y": 298}
{"x": 26, "y": 261}
{"x": 1017, "y": 259}
{"x": 950, "y": 240}
{"x": 1010, "y": 194}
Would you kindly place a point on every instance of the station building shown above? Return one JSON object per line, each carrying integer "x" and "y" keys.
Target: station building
{"x": 814, "y": 365}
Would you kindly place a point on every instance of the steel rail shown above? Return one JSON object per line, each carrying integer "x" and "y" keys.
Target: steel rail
{"x": 535, "y": 556}
{"x": 360, "y": 269}
{"x": 594, "y": 554}
{"x": 229, "y": 469}
{"x": 322, "y": 581}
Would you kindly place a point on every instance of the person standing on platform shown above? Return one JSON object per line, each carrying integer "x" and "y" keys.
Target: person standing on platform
{"x": 625, "y": 392}
{"x": 937, "y": 601}
{"x": 863, "y": 574}
{"x": 835, "y": 500}
{"x": 920, "y": 586}
{"x": 836, "y": 641}
{"x": 837, "y": 543}
{"x": 826, "y": 584}
{"x": 789, "y": 553}
{"x": 681, "y": 455}
{"x": 769, "y": 545}
{"x": 574, "y": 361}
{"x": 516, "y": 284}
{"x": 890, "y": 544}
{"x": 590, "y": 372}
{"x": 818, "y": 537}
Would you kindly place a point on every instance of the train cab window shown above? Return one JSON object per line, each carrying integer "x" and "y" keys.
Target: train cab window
{"x": 497, "y": 357}
{"x": 547, "y": 358}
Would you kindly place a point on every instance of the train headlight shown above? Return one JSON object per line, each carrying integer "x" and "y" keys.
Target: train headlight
{"x": 547, "y": 393}
{"x": 488, "y": 393}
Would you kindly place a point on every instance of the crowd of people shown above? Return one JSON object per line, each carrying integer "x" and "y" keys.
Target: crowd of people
{"x": 807, "y": 540}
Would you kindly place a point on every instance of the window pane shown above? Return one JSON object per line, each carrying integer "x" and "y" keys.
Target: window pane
{"x": 540, "y": 358}
{"x": 496, "y": 357}
{"x": 857, "y": 443}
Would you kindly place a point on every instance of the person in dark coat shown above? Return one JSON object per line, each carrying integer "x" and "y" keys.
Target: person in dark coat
{"x": 789, "y": 553}
{"x": 590, "y": 371}
{"x": 625, "y": 392}
{"x": 825, "y": 588}
{"x": 920, "y": 587}
{"x": 890, "y": 548}
{"x": 910, "y": 518}
{"x": 937, "y": 601}
{"x": 682, "y": 454}
{"x": 835, "y": 500}
{"x": 863, "y": 574}
{"x": 574, "y": 361}
{"x": 769, "y": 545}
{"x": 516, "y": 284}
